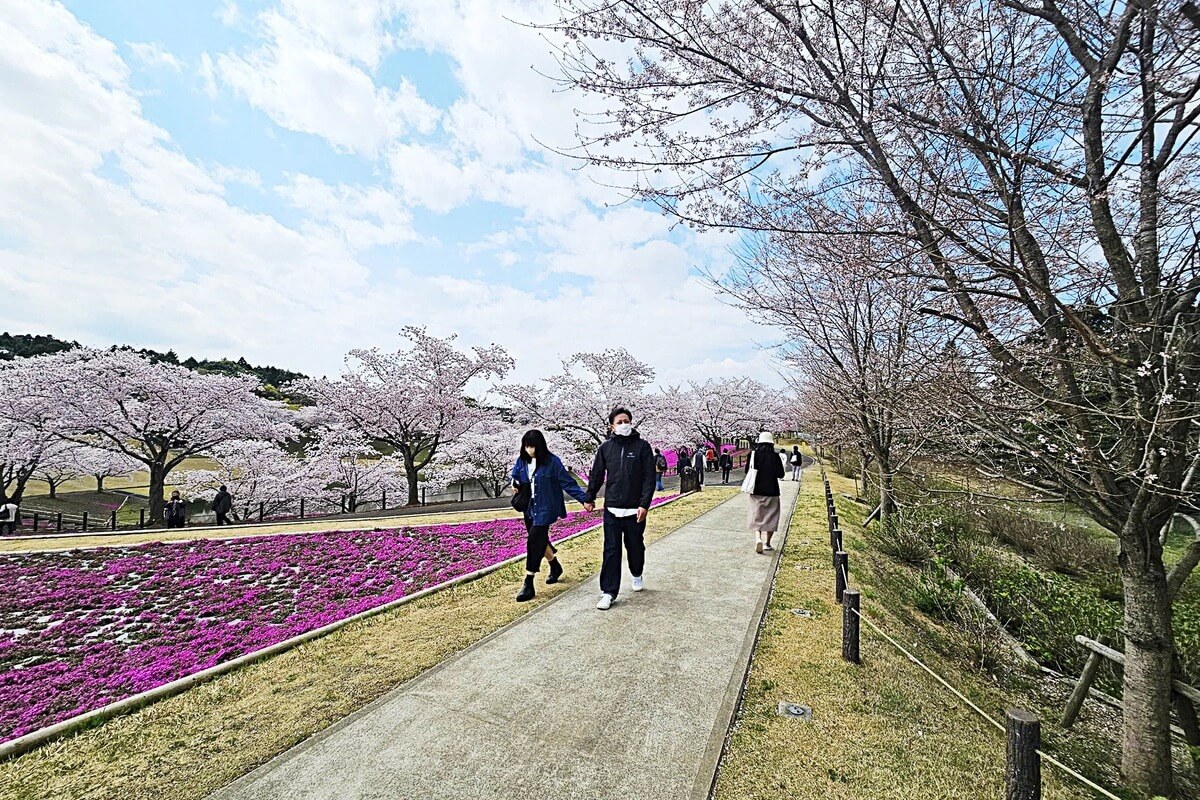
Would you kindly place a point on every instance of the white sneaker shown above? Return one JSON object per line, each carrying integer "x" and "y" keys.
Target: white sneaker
{"x": 606, "y": 601}
{"x": 637, "y": 584}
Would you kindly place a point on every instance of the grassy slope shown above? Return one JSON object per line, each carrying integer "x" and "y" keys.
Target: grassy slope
{"x": 881, "y": 729}
{"x": 189, "y": 745}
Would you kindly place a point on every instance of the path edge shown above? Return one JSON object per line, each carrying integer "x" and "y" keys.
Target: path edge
{"x": 718, "y": 744}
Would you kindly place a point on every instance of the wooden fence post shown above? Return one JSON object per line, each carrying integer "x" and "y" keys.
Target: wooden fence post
{"x": 383, "y": 501}
{"x": 1023, "y": 772}
{"x": 850, "y": 605}
{"x": 35, "y": 522}
{"x": 422, "y": 495}
{"x": 301, "y": 508}
{"x": 112, "y": 521}
{"x": 841, "y": 570}
{"x": 1083, "y": 686}
{"x": 462, "y": 489}
{"x": 58, "y": 522}
{"x": 85, "y": 516}
{"x": 141, "y": 517}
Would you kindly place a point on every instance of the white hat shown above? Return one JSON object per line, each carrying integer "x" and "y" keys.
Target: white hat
{"x": 766, "y": 438}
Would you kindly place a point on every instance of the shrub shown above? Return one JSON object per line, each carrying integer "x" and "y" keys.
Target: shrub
{"x": 1063, "y": 548}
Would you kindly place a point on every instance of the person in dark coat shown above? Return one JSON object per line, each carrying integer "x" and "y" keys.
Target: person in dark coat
{"x": 176, "y": 511}
{"x": 698, "y": 465}
{"x": 221, "y": 505}
{"x": 796, "y": 461}
{"x": 764, "y": 499}
{"x": 682, "y": 460}
{"x": 547, "y": 479}
{"x": 625, "y": 466}
{"x": 725, "y": 462}
{"x": 660, "y": 469}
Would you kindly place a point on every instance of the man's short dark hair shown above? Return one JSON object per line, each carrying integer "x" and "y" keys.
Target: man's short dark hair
{"x": 618, "y": 411}
{"x": 223, "y": 489}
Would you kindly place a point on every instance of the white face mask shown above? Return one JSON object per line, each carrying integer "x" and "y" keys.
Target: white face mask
{"x": 623, "y": 428}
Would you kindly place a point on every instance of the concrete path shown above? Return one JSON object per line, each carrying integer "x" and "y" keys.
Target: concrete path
{"x": 568, "y": 701}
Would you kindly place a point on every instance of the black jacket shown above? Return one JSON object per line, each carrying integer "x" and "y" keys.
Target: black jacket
{"x": 625, "y": 466}
{"x": 222, "y": 503}
{"x": 770, "y": 469}
{"x": 725, "y": 461}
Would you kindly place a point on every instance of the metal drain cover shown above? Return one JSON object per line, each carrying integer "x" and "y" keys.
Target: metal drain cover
{"x": 802, "y": 612}
{"x": 794, "y": 710}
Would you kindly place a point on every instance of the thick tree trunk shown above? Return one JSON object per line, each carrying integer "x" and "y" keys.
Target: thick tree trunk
{"x": 158, "y": 486}
{"x": 99, "y": 484}
{"x": 1149, "y": 649}
{"x": 53, "y": 489}
{"x": 410, "y": 472}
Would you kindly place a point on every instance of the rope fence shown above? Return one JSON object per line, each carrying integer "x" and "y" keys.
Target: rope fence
{"x": 1021, "y": 728}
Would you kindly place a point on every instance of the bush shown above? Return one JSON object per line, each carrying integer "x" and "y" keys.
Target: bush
{"x": 1063, "y": 548}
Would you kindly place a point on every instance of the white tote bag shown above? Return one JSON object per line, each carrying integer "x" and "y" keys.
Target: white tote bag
{"x": 751, "y": 476}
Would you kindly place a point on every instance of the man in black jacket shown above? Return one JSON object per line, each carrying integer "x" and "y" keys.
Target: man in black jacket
{"x": 625, "y": 465}
{"x": 222, "y": 504}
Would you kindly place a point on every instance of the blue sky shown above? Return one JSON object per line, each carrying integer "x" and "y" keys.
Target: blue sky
{"x": 290, "y": 179}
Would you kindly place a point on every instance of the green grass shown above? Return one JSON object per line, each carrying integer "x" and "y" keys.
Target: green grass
{"x": 880, "y": 729}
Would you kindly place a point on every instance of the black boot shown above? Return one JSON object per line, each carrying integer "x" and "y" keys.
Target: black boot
{"x": 526, "y": 592}
{"x": 556, "y": 572}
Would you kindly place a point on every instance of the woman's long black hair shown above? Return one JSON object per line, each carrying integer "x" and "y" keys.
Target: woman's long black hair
{"x": 541, "y": 451}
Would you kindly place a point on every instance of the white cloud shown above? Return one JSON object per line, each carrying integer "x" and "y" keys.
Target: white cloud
{"x": 312, "y": 74}
{"x": 152, "y": 54}
{"x": 365, "y": 217}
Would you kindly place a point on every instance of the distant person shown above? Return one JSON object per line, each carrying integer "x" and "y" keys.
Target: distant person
{"x": 797, "y": 462}
{"x": 710, "y": 459}
{"x": 660, "y": 469}
{"x": 682, "y": 461}
{"x": 725, "y": 462}
{"x": 625, "y": 466}
{"x": 10, "y": 515}
{"x": 698, "y": 463}
{"x": 221, "y": 505}
{"x": 764, "y": 497}
{"x": 547, "y": 479}
{"x": 176, "y": 511}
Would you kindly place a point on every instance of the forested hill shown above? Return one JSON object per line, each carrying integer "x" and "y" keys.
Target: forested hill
{"x": 23, "y": 345}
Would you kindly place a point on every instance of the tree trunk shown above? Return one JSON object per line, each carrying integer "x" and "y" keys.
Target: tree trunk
{"x": 885, "y": 494}
{"x": 53, "y": 488}
{"x": 410, "y": 472}
{"x": 99, "y": 484}
{"x": 158, "y": 487}
{"x": 1149, "y": 648}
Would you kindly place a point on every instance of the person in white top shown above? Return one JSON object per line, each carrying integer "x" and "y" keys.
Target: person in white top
{"x": 9, "y": 516}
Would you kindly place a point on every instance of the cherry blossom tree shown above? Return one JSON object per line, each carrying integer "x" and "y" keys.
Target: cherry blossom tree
{"x": 414, "y": 401}
{"x": 103, "y": 464}
{"x": 719, "y": 410}
{"x": 484, "y": 456}
{"x": 255, "y": 472}
{"x": 57, "y": 465}
{"x": 157, "y": 414}
{"x": 27, "y": 427}
{"x": 1040, "y": 155}
{"x": 576, "y": 402}
{"x": 345, "y": 464}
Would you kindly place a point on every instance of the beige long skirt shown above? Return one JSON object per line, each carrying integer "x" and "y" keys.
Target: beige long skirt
{"x": 764, "y": 513}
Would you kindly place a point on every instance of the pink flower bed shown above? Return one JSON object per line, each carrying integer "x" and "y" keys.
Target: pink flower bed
{"x": 85, "y": 628}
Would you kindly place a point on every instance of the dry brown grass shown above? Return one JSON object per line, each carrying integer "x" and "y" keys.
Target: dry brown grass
{"x": 881, "y": 729}
{"x": 191, "y": 744}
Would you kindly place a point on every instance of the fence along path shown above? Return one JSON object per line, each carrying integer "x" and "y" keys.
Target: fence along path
{"x": 1021, "y": 728}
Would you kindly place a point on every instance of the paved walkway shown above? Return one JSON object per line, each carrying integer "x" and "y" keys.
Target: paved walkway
{"x": 568, "y": 701}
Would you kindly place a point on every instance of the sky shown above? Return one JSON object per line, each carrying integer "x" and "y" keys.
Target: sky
{"x": 288, "y": 180}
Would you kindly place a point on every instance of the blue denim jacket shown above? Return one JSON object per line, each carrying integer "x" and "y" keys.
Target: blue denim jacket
{"x": 551, "y": 481}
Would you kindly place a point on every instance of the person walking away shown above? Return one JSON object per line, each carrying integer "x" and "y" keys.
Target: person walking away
{"x": 726, "y": 464}
{"x": 10, "y": 515}
{"x": 764, "y": 497}
{"x": 682, "y": 460}
{"x": 176, "y": 511}
{"x": 660, "y": 469}
{"x": 710, "y": 459}
{"x": 547, "y": 479}
{"x": 222, "y": 504}
{"x": 625, "y": 466}
{"x": 698, "y": 463}
{"x": 797, "y": 462}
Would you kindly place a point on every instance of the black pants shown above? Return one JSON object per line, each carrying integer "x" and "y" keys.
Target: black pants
{"x": 725, "y": 474}
{"x": 175, "y": 523}
{"x": 536, "y": 544}
{"x": 8, "y": 528}
{"x": 223, "y": 518}
{"x": 633, "y": 533}
{"x": 700, "y": 476}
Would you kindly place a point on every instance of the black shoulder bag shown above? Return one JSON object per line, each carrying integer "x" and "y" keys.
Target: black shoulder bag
{"x": 520, "y": 500}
